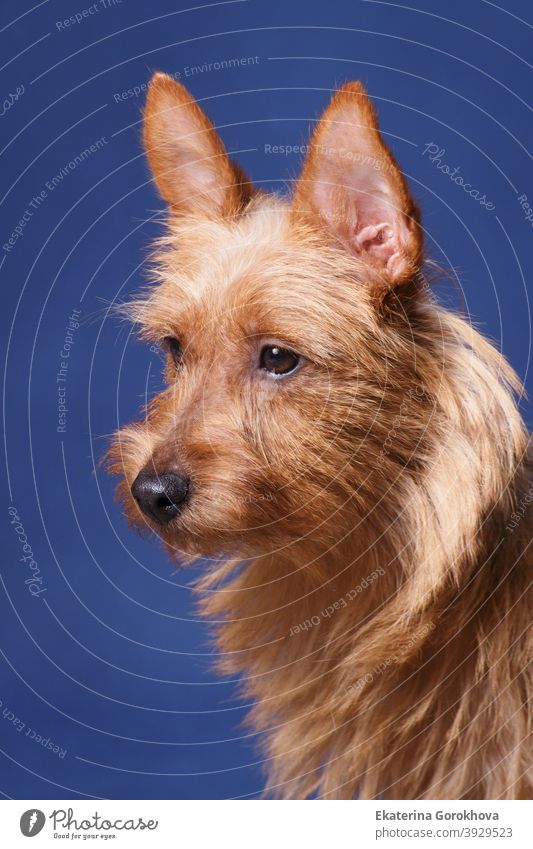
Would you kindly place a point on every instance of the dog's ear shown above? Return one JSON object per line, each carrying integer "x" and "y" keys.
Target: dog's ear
{"x": 352, "y": 186}
{"x": 187, "y": 156}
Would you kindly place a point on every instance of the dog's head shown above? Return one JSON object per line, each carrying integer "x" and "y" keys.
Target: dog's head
{"x": 287, "y": 334}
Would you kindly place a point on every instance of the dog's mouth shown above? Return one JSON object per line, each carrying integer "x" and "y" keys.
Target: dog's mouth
{"x": 185, "y": 528}
{"x": 186, "y": 541}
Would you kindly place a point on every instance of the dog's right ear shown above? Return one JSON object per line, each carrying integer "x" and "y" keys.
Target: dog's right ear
{"x": 191, "y": 167}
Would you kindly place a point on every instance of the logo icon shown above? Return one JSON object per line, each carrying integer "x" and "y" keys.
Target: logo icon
{"x": 32, "y": 822}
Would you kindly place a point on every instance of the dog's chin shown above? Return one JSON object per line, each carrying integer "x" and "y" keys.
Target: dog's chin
{"x": 187, "y": 540}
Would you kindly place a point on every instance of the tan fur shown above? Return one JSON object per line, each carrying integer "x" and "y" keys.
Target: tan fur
{"x": 367, "y": 577}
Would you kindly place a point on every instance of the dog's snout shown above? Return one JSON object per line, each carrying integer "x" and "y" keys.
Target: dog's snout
{"x": 160, "y": 496}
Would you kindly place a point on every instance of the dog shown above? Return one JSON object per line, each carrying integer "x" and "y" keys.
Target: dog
{"x": 348, "y": 458}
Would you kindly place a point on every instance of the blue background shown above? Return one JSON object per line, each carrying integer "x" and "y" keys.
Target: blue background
{"x": 111, "y": 662}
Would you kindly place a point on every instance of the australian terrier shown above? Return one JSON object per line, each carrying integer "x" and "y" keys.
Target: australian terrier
{"x": 348, "y": 456}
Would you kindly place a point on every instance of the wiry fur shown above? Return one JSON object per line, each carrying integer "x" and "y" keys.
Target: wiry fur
{"x": 376, "y": 592}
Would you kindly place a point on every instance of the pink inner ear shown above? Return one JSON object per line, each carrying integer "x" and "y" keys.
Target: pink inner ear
{"x": 360, "y": 207}
{"x": 377, "y": 230}
{"x": 382, "y": 245}
{"x": 363, "y": 215}
{"x": 376, "y": 239}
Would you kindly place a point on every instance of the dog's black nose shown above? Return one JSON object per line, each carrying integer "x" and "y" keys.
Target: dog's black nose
{"x": 160, "y": 497}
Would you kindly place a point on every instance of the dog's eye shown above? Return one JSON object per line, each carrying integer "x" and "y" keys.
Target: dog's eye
{"x": 173, "y": 347}
{"x": 278, "y": 360}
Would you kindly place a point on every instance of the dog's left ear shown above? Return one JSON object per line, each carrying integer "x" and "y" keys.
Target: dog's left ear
{"x": 352, "y": 186}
